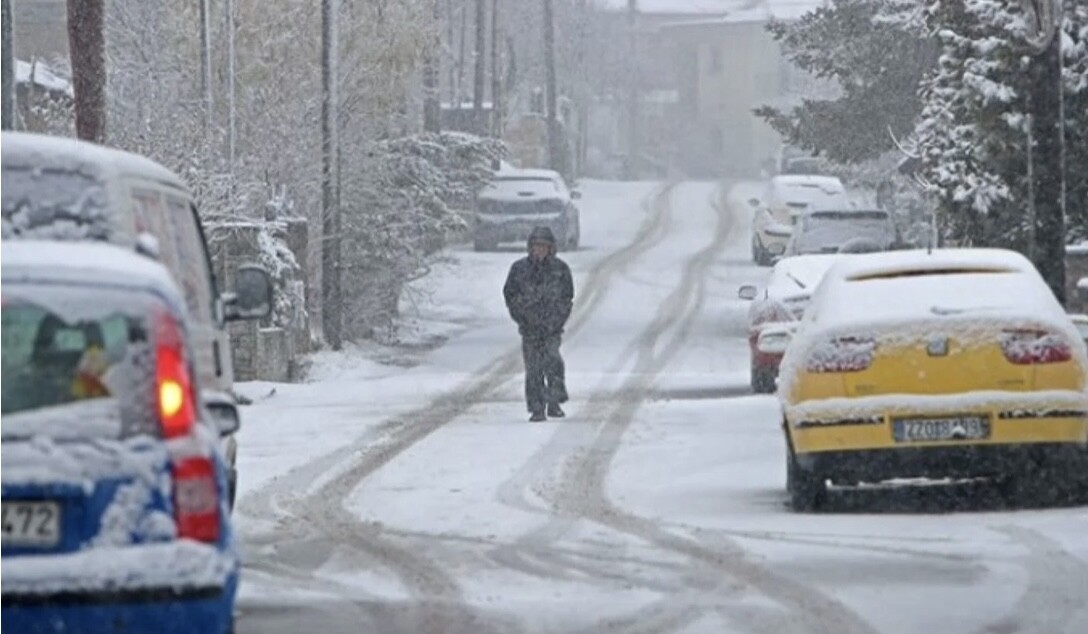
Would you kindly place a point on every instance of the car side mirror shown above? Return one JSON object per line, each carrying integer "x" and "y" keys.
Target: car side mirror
{"x": 223, "y": 411}
{"x": 575, "y": 195}
{"x": 252, "y": 296}
{"x": 748, "y": 292}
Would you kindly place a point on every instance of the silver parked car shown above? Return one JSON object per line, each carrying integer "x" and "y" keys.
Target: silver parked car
{"x": 517, "y": 200}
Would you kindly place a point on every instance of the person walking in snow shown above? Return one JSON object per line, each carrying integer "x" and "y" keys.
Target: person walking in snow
{"x": 539, "y": 294}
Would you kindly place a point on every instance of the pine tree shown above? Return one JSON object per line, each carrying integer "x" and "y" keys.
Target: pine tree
{"x": 876, "y": 52}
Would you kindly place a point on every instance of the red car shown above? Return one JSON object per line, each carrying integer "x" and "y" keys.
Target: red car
{"x": 773, "y": 310}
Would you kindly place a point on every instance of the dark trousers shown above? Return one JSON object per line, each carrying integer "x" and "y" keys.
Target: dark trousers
{"x": 545, "y": 373}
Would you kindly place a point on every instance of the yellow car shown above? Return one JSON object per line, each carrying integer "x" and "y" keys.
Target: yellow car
{"x": 954, "y": 363}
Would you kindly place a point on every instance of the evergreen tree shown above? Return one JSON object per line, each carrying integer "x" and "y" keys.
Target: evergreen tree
{"x": 877, "y": 52}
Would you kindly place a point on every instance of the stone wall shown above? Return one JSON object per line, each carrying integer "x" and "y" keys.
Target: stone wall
{"x": 1076, "y": 267}
{"x": 268, "y": 350}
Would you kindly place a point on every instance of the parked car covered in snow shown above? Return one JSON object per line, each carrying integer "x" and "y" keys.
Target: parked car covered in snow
{"x": 835, "y": 230}
{"x": 951, "y": 364}
{"x": 783, "y": 301}
{"x": 785, "y": 198}
{"x": 63, "y": 189}
{"x": 518, "y": 200}
{"x": 115, "y": 488}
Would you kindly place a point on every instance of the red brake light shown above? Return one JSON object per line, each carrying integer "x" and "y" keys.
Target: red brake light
{"x": 173, "y": 384}
{"x": 1030, "y": 347}
{"x": 196, "y": 499}
{"x": 843, "y": 354}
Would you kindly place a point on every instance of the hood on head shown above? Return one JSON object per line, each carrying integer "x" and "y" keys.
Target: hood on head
{"x": 541, "y": 234}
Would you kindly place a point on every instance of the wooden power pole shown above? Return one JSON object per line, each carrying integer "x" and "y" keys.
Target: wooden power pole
{"x": 87, "y": 49}
{"x": 555, "y": 148}
{"x": 331, "y": 301}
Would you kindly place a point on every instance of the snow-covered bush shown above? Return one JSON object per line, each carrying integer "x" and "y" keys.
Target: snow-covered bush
{"x": 399, "y": 210}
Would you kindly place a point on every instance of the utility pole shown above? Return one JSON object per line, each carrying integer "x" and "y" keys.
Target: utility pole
{"x": 479, "y": 57}
{"x": 206, "y": 63}
{"x": 496, "y": 73}
{"x": 87, "y": 50}
{"x": 231, "y": 82}
{"x": 331, "y": 301}
{"x": 1048, "y": 169}
{"x": 633, "y": 91}
{"x": 583, "y": 90}
{"x": 555, "y": 149}
{"x": 432, "y": 114}
{"x": 8, "y": 68}
{"x": 461, "y": 59}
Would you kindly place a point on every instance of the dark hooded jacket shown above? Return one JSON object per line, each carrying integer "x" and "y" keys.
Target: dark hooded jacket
{"x": 539, "y": 294}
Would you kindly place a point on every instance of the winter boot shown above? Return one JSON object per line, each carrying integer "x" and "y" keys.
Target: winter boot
{"x": 537, "y": 417}
{"x": 554, "y": 411}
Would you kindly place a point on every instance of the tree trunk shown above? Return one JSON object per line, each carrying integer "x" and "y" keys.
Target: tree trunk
{"x": 496, "y": 73}
{"x": 633, "y": 90}
{"x": 206, "y": 63}
{"x": 479, "y": 56}
{"x": 331, "y": 301}
{"x": 1048, "y": 175}
{"x": 232, "y": 135}
{"x": 87, "y": 46}
{"x": 432, "y": 113}
{"x": 8, "y": 68}
{"x": 460, "y": 94}
{"x": 555, "y": 152}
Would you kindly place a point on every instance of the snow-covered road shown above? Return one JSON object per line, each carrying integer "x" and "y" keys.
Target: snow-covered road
{"x": 404, "y": 491}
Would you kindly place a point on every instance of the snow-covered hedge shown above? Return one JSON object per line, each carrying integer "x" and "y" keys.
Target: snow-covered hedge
{"x": 411, "y": 196}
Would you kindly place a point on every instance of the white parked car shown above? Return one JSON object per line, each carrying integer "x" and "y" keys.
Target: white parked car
{"x": 785, "y": 198}
{"x": 843, "y": 230}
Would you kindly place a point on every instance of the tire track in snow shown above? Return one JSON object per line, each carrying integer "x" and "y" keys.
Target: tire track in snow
{"x": 581, "y": 495}
{"x": 319, "y": 512}
{"x": 1053, "y": 602}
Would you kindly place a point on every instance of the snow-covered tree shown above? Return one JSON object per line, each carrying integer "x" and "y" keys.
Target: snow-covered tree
{"x": 973, "y": 135}
{"x": 876, "y": 52}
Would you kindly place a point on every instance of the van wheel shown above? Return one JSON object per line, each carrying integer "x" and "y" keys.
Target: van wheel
{"x": 807, "y": 490}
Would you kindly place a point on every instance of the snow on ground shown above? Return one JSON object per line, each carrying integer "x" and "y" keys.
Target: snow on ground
{"x": 458, "y": 307}
{"x": 656, "y": 506}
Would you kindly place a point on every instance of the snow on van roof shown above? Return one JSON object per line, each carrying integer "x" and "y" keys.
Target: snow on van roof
{"x": 85, "y": 262}
{"x": 23, "y": 149}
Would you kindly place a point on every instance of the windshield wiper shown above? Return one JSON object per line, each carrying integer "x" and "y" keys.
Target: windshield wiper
{"x": 797, "y": 281}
